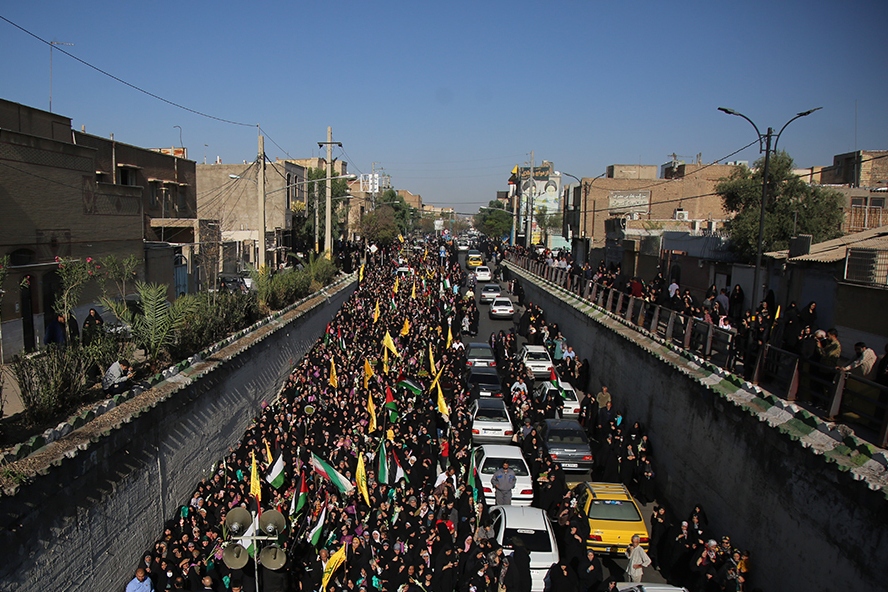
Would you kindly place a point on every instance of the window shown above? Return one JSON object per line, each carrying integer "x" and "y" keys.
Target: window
{"x": 126, "y": 176}
{"x": 623, "y": 511}
{"x": 877, "y": 202}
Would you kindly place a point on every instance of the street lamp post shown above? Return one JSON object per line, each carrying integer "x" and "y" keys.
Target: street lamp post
{"x": 764, "y": 146}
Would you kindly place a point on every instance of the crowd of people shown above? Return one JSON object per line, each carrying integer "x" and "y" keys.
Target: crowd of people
{"x": 373, "y": 432}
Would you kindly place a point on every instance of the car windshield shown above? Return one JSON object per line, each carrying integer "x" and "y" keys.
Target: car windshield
{"x": 491, "y": 289}
{"x": 502, "y": 302}
{"x": 492, "y": 463}
{"x": 536, "y": 356}
{"x": 480, "y": 352}
{"x": 567, "y": 437}
{"x": 492, "y": 414}
{"x": 623, "y": 511}
{"x": 534, "y": 540}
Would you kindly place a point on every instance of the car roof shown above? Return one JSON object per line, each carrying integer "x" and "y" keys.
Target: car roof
{"x": 479, "y": 345}
{"x": 504, "y": 299}
{"x": 504, "y": 450}
{"x": 524, "y": 517}
{"x": 481, "y": 267}
{"x": 491, "y": 286}
{"x": 607, "y": 490}
{"x": 547, "y": 384}
{"x": 479, "y": 370}
{"x": 491, "y": 403}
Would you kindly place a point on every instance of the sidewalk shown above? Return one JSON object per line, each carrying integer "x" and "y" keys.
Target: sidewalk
{"x": 12, "y": 401}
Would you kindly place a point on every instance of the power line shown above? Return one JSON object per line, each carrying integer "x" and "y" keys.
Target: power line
{"x": 122, "y": 81}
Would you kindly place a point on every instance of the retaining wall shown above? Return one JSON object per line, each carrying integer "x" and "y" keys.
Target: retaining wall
{"x": 806, "y": 497}
{"x": 102, "y": 493}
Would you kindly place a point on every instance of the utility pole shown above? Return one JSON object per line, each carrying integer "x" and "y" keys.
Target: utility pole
{"x": 328, "y": 215}
{"x": 260, "y": 184}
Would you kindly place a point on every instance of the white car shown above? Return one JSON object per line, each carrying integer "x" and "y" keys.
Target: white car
{"x": 490, "y": 457}
{"x": 489, "y": 293}
{"x": 642, "y": 587}
{"x": 462, "y": 246}
{"x": 491, "y": 421}
{"x": 532, "y": 527}
{"x": 536, "y": 359}
{"x": 501, "y": 308}
{"x": 482, "y": 273}
{"x": 566, "y": 392}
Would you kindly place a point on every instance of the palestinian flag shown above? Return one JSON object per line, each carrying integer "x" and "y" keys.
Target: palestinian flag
{"x": 553, "y": 378}
{"x": 382, "y": 475}
{"x": 327, "y": 336}
{"x": 399, "y": 470}
{"x": 275, "y": 475}
{"x": 314, "y": 535}
{"x": 391, "y": 405}
{"x": 410, "y": 386}
{"x": 472, "y": 477}
{"x": 301, "y": 497}
{"x": 324, "y": 469}
{"x": 339, "y": 337}
{"x": 246, "y": 541}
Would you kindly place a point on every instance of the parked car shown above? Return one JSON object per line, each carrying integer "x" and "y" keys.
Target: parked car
{"x": 564, "y": 390}
{"x": 482, "y": 273}
{"x": 491, "y": 421}
{"x": 490, "y": 457}
{"x": 480, "y": 354}
{"x": 642, "y": 587}
{"x": 614, "y": 517}
{"x": 489, "y": 293}
{"x": 567, "y": 443}
{"x": 532, "y": 527}
{"x": 537, "y": 360}
{"x": 501, "y": 308}
{"x": 483, "y": 381}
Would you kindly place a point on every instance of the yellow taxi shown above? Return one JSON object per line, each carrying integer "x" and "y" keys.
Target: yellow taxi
{"x": 614, "y": 516}
{"x": 473, "y": 259}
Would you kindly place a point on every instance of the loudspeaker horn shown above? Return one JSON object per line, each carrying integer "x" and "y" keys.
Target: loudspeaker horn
{"x": 273, "y": 557}
{"x": 235, "y": 556}
{"x": 272, "y": 522}
{"x": 238, "y": 521}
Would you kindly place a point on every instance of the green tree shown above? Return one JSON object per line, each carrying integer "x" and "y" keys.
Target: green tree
{"x": 379, "y": 226}
{"x": 400, "y": 210}
{"x": 793, "y": 208}
{"x": 316, "y": 197}
{"x": 548, "y": 223}
{"x": 494, "y": 220}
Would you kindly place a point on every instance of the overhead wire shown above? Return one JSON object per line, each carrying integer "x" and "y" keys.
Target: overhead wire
{"x": 121, "y": 80}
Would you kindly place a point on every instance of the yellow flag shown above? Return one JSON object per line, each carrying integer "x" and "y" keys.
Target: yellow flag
{"x": 413, "y": 292}
{"x": 397, "y": 282}
{"x": 255, "y": 488}
{"x": 437, "y": 378}
{"x": 334, "y": 382}
{"x": 371, "y": 409}
{"x": 389, "y": 344}
{"x": 361, "y": 478}
{"x": 432, "y": 369}
{"x": 390, "y": 434}
{"x": 401, "y": 237}
{"x": 337, "y": 559}
{"x": 449, "y": 337}
{"x": 376, "y": 312}
{"x": 385, "y": 360}
{"x": 361, "y": 273}
{"x": 268, "y": 453}
{"x": 368, "y": 373}
{"x": 442, "y": 404}
{"x": 405, "y": 330}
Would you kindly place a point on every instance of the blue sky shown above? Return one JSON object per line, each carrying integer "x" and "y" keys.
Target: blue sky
{"x": 448, "y": 96}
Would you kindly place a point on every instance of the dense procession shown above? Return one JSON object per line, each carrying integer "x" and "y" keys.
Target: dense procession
{"x": 375, "y": 453}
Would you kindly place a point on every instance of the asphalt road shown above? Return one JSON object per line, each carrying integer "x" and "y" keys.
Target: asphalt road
{"x": 616, "y": 566}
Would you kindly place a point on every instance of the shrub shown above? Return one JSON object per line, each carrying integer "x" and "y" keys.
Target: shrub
{"x": 213, "y": 317}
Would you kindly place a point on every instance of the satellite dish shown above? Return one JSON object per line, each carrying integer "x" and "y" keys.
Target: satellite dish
{"x": 238, "y": 520}
{"x": 235, "y": 556}
{"x": 272, "y": 557}
{"x": 272, "y": 522}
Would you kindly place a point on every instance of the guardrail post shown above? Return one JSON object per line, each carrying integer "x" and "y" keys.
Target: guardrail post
{"x": 619, "y": 310}
{"x": 610, "y": 299}
{"x": 759, "y": 363}
{"x": 670, "y": 325}
{"x": 838, "y": 391}
{"x": 882, "y": 442}
{"x": 689, "y": 333}
{"x": 707, "y": 345}
{"x": 629, "y": 308}
{"x": 793, "y": 389}
{"x": 587, "y": 289}
{"x": 655, "y": 320}
{"x": 642, "y": 313}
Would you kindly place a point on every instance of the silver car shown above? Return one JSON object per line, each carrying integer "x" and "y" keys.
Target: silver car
{"x": 479, "y": 355}
{"x": 501, "y": 308}
{"x": 489, "y": 293}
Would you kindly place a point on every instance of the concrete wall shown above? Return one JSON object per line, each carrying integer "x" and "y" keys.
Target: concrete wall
{"x": 83, "y": 523}
{"x": 811, "y": 521}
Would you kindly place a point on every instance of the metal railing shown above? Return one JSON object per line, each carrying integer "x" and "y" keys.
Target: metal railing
{"x": 828, "y": 392}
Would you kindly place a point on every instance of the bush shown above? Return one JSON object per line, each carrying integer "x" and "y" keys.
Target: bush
{"x": 212, "y": 318}
{"x": 53, "y": 380}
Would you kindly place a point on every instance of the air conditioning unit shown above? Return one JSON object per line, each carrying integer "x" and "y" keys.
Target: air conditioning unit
{"x": 680, "y": 214}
